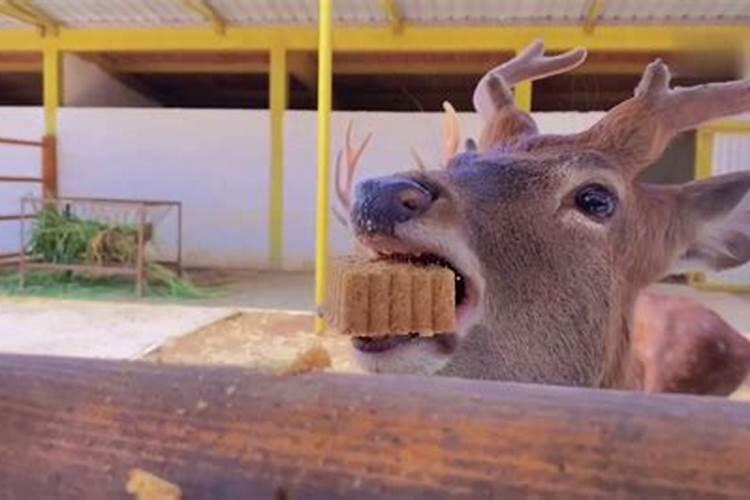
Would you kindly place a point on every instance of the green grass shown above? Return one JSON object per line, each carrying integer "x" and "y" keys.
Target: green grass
{"x": 67, "y": 239}
{"x": 63, "y": 238}
{"x": 65, "y": 285}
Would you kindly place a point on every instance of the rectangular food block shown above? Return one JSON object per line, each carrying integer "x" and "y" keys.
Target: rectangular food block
{"x": 379, "y": 297}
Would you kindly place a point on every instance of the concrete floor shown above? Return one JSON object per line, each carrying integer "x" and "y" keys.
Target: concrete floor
{"x": 289, "y": 291}
{"x": 95, "y": 329}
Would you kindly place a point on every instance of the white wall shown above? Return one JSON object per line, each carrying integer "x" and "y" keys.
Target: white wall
{"x": 86, "y": 84}
{"x": 18, "y": 123}
{"x": 215, "y": 161}
{"x": 388, "y": 152}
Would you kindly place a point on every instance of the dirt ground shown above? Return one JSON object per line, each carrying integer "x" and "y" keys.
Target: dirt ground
{"x": 264, "y": 340}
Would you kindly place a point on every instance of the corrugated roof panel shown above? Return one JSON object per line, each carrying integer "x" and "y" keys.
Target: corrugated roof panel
{"x": 8, "y": 23}
{"x": 249, "y": 12}
{"x": 676, "y": 11}
{"x": 148, "y": 13}
{"x": 360, "y": 12}
{"x": 266, "y": 11}
{"x": 493, "y": 11}
{"x": 91, "y": 13}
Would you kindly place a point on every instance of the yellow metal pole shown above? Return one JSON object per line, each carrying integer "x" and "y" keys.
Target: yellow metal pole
{"x": 704, "y": 154}
{"x": 592, "y": 15}
{"x": 52, "y": 76}
{"x": 325, "y": 90}
{"x": 522, "y": 92}
{"x": 279, "y": 97}
{"x": 522, "y": 96}
{"x": 615, "y": 38}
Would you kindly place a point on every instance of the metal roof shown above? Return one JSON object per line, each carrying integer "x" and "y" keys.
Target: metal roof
{"x": 178, "y": 13}
{"x": 137, "y": 13}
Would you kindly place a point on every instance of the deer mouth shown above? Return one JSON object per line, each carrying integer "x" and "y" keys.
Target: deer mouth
{"x": 466, "y": 296}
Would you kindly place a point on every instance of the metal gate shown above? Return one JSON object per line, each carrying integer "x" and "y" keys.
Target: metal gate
{"x": 45, "y": 177}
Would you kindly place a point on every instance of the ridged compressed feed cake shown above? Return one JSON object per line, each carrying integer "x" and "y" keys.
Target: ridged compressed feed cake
{"x": 378, "y": 298}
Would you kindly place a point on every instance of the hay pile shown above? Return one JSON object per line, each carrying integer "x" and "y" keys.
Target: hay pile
{"x": 64, "y": 238}
{"x": 67, "y": 239}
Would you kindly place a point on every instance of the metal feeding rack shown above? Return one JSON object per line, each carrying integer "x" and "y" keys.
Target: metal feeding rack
{"x": 118, "y": 232}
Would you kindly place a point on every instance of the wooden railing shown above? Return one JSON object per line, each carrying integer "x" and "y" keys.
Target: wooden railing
{"x": 74, "y": 428}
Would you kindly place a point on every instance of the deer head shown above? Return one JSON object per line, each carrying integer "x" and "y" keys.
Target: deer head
{"x": 552, "y": 236}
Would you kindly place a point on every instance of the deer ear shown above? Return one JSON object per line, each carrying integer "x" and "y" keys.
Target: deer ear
{"x": 716, "y": 214}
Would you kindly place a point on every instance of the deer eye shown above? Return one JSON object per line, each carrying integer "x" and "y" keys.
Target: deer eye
{"x": 596, "y": 201}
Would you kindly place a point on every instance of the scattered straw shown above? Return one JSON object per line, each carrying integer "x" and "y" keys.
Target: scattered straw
{"x": 313, "y": 359}
{"x": 147, "y": 486}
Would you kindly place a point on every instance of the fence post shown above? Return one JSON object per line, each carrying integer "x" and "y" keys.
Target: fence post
{"x": 75, "y": 428}
{"x": 49, "y": 166}
{"x": 140, "y": 253}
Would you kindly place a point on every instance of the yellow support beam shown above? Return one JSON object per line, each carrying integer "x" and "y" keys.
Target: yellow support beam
{"x": 704, "y": 153}
{"x": 303, "y": 67}
{"x": 411, "y": 39}
{"x": 22, "y": 41}
{"x": 325, "y": 94}
{"x": 729, "y": 126}
{"x": 53, "y": 89}
{"x": 522, "y": 95}
{"x": 592, "y": 15}
{"x": 393, "y": 14}
{"x": 704, "y": 157}
{"x": 208, "y": 13}
{"x": 279, "y": 97}
{"x": 613, "y": 38}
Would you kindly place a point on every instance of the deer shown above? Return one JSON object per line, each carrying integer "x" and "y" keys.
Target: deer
{"x": 552, "y": 237}
{"x": 682, "y": 345}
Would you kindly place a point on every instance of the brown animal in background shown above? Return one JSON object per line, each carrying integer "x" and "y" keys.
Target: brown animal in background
{"x": 552, "y": 235}
{"x": 687, "y": 348}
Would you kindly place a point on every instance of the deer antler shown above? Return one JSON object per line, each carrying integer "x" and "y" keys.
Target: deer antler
{"x": 352, "y": 154}
{"x": 451, "y": 131}
{"x": 637, "y": 131}
{"x": 345, "y": 177}
{"x": 493, "y": 99}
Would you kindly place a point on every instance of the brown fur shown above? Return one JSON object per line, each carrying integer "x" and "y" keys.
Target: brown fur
{"x": 682, "y": 346}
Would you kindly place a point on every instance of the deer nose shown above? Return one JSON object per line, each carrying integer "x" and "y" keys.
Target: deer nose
{"x": 382, "y": 203}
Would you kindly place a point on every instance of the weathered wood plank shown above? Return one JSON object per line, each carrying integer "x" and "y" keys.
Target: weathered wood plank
{"x": 72, "y": 428}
